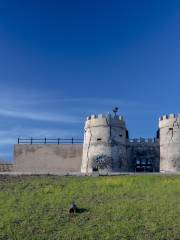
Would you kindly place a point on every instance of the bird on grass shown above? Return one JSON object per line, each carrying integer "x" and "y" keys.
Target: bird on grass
{"x": 73, "y": 208}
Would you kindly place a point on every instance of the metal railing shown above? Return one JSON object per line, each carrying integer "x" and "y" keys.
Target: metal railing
{"x": 50, "y": 141}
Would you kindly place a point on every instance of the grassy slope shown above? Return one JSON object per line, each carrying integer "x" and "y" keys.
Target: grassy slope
{"x": 126, "y": 207}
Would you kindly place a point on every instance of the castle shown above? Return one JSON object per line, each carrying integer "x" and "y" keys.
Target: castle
{"x": 106, "y": 148}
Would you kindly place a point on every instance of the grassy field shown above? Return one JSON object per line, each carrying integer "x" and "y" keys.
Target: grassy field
{"x": 124, "y": 207}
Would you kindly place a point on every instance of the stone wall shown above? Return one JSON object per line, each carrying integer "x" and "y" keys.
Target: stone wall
{"x": 47, "y": 158}
{"x": 169, "y": 126}
{"x": 52, "y": 158}
{"x": 143, "y": 150}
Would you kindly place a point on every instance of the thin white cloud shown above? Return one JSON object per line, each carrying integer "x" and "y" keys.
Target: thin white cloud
{"x": 25, "y": 97}
{"x": 43, "y": 107}
{"x": 40, "y": 116}
{"x": 100, "y": 101}
{"x": 51, "y": 100}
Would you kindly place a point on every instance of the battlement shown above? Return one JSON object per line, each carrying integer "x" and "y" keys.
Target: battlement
{"x": 169, "y": 116}
{"x": 106, "y": 116}
{"x": 170, "y": 120}
{"x": 143, "y": 140}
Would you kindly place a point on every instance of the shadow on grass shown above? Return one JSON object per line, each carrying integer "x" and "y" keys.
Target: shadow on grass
{"x": 82, "y": 210}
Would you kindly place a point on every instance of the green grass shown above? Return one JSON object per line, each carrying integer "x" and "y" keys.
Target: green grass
{"x": 124, "y": 207}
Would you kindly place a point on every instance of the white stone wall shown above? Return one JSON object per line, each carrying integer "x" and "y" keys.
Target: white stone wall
{"x": 169, "y": 126}
{"x": 104, "y": 143}
{"x": 44, "y": 158}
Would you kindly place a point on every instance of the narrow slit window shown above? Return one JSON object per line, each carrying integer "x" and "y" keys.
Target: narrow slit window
{"x": 99, "y": 139}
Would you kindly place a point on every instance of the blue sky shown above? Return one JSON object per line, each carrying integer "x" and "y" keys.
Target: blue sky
{"x": 63, "y": 60}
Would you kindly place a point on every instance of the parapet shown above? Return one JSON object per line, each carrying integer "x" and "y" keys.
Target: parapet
{"x": 167, "y": 120}
{"x": 143, "y": 140}
{"x": 169, "y": 116}
{"x": 100, "y": 116}
{"x": 105, "y": 119}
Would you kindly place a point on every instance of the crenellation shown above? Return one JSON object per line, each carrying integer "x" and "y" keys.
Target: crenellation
{"x": 165, "y": 117}
{"x": 104, "y": 119}
{"x": 143, "y": 140}
{"x": 172, "y": 115}
{"x": 172, "y": 120}
{"x": 93, "y": 116}
{"x": 169, "y": 117}
{"x": 101, "y": 116}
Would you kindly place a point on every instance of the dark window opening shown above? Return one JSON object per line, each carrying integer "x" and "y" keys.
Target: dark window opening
{"x": 99, "y": 139}
{"x": 149, "y": 161}
{"x": 138, "y": 162}
{"x": 157, "y": 134}
{"x": 127, "y": 134}
{"x": 95, "y": 169}
{"x": 144, "y": 165}
{"x": 143, "y": 161}
{"x": 120, "y": 135}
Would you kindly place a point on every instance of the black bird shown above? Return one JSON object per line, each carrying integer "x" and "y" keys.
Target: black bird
{"x": 73, "y": 208}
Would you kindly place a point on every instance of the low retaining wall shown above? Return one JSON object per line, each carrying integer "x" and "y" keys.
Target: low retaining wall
{"x": 47, "y": 158}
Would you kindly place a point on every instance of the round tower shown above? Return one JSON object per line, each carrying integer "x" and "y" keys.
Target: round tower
{"x": 104, "y": 145}
{"x": 169, "y": 129}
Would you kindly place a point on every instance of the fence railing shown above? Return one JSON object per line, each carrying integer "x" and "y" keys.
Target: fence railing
{"x": 50, "y": 141}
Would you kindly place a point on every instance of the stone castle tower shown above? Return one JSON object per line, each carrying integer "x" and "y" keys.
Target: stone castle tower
{"x": 169, "y": 129}
{"x": 104, "y": 145}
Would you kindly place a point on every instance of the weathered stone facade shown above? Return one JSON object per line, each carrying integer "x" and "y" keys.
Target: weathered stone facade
{"x": 47, "y": 158}
{"x": 104, "y": 145}
{"x": 143, "y": 154}
{"x": 169, "y": 128}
